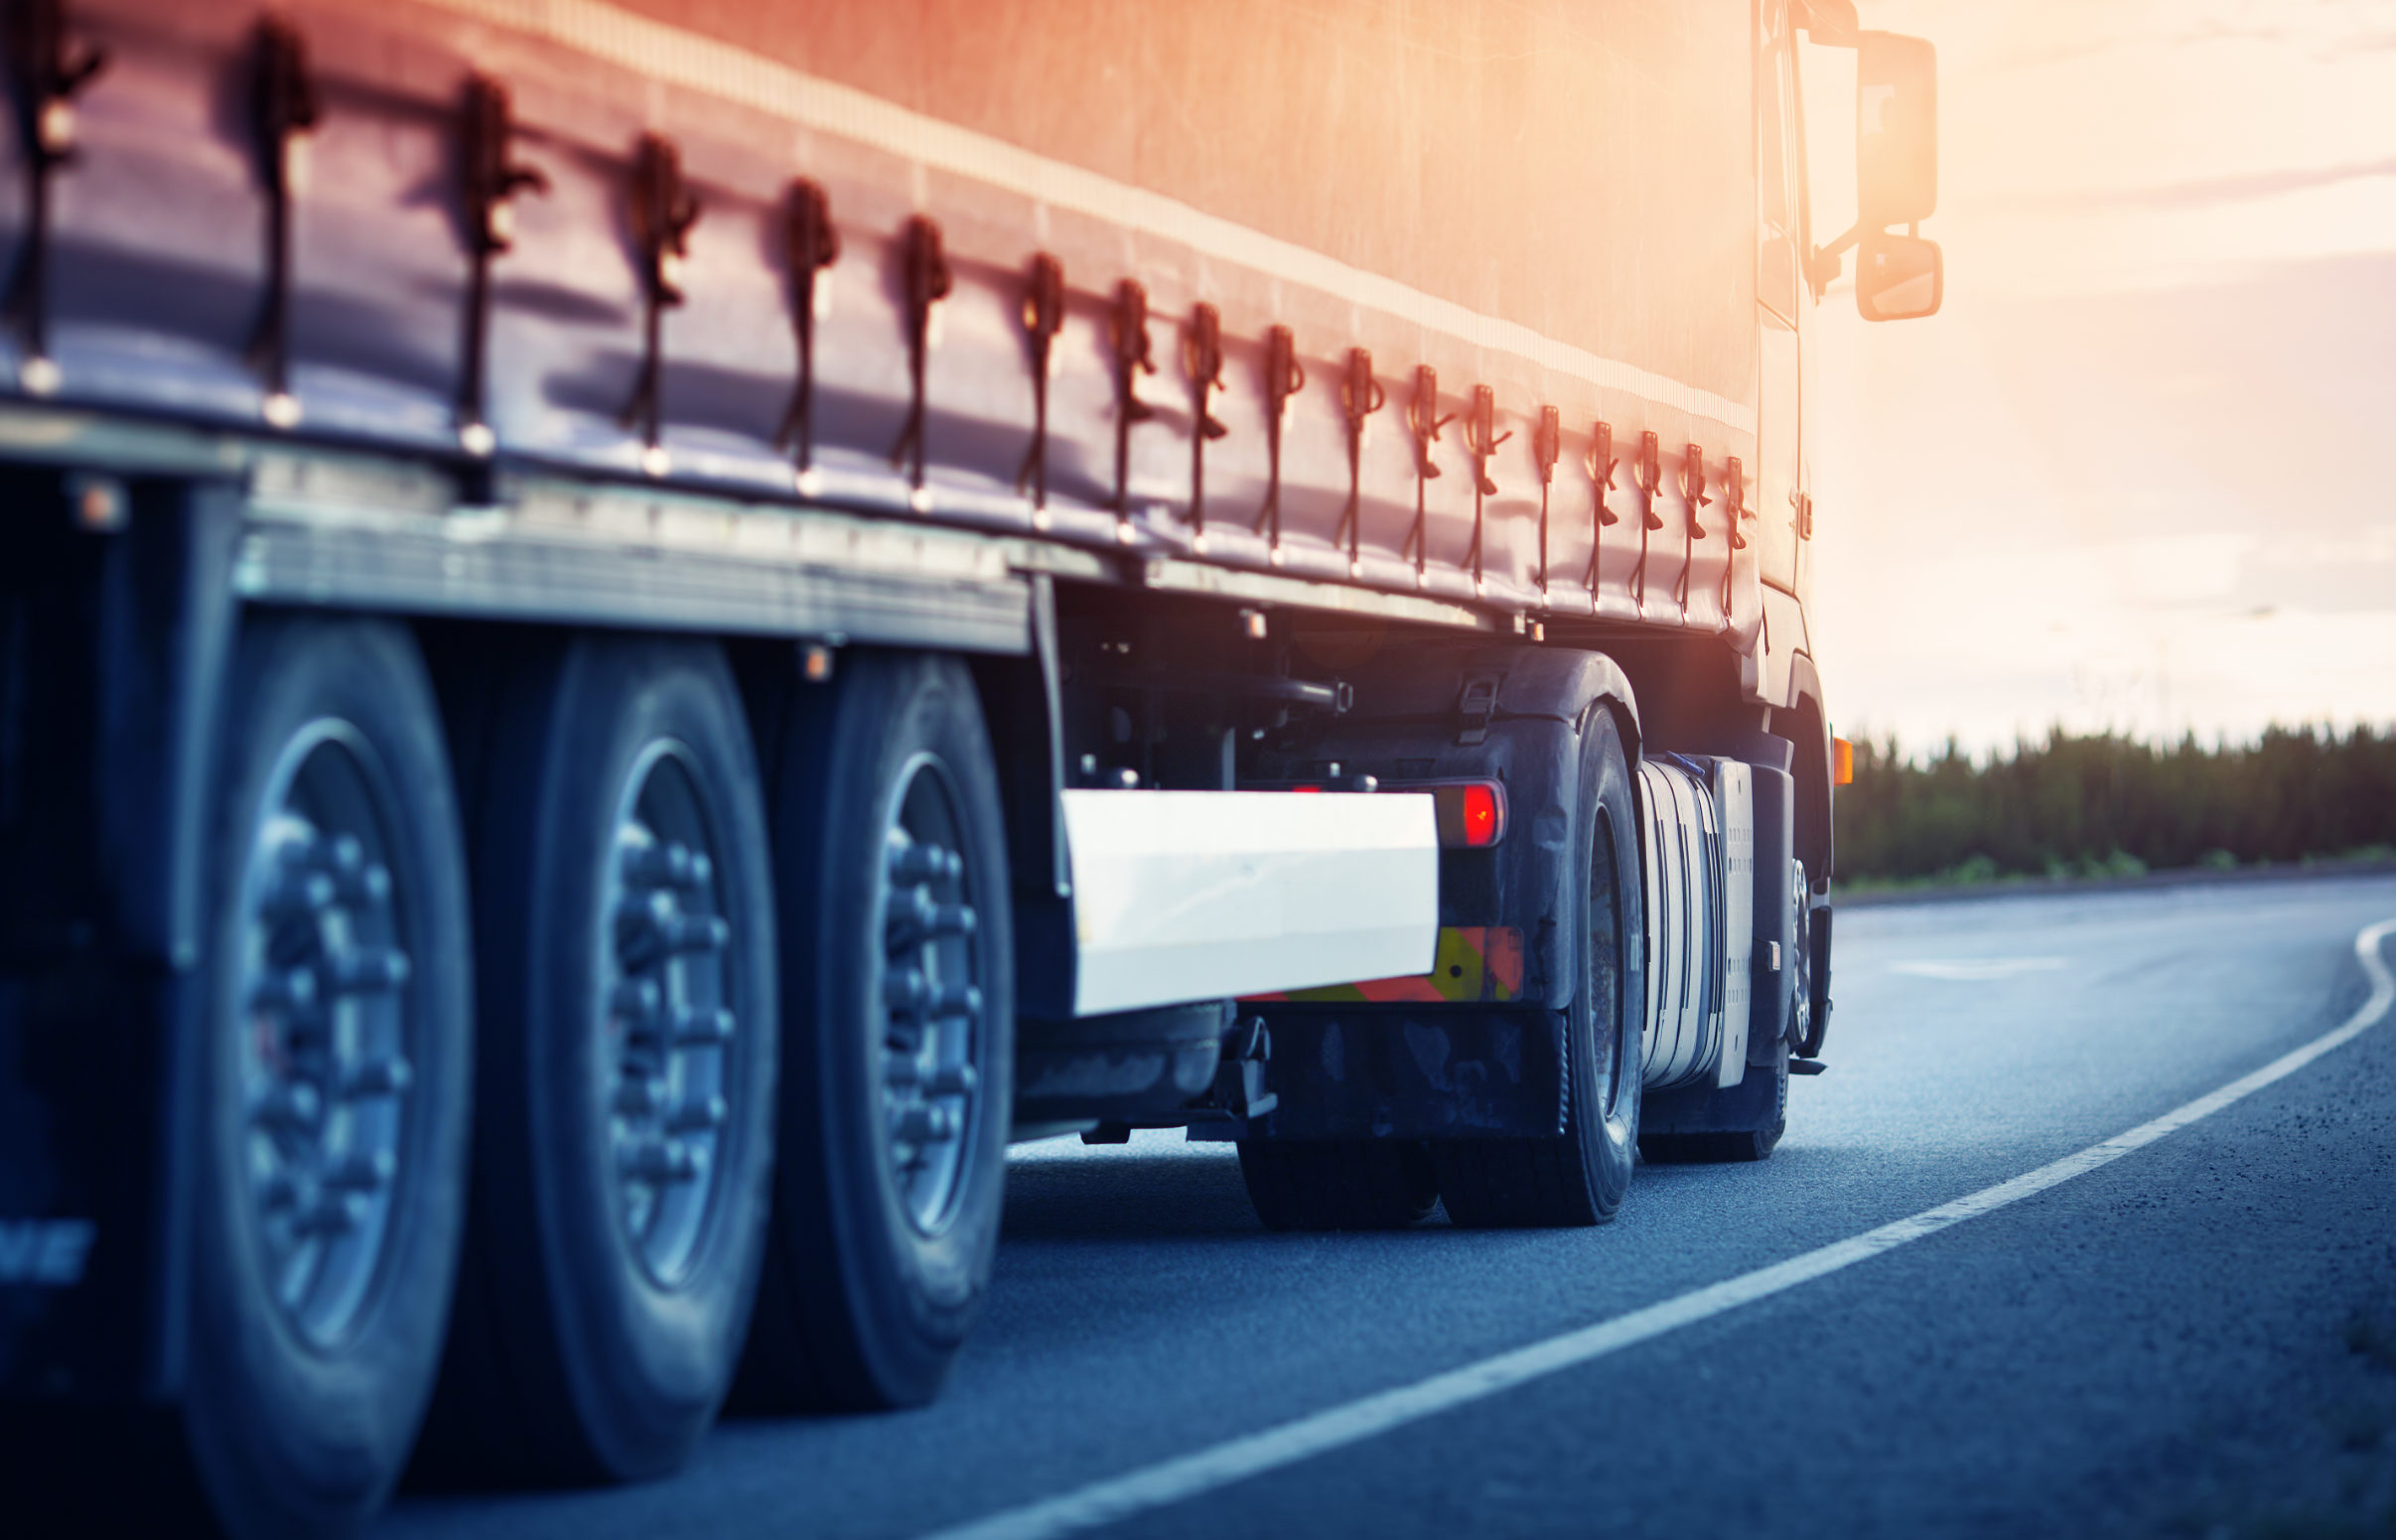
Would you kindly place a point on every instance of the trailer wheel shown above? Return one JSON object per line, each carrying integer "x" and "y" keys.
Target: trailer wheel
{"x": 1338, "y": 1183}
{"x": 899, "y": 1080}
{"x": 624, "y": 1133}
{"x": 335, "y": 1080}
{"x": 1582, "y": 1177}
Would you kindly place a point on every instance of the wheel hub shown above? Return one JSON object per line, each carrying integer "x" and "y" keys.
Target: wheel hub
{"x": 324, "y": 1067}
{"x": 932, "y": 1000}
{"x": 668, "y": 992}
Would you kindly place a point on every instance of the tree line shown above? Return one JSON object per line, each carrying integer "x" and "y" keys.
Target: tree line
{"x": 2095, "y": 805}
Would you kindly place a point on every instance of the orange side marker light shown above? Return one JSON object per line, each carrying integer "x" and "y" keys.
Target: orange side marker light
{"x": 1842, "y": 763}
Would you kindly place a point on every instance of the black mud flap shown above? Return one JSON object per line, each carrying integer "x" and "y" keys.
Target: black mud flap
{"x": 1760, "y": 1101}
{"x": 1414, "y": 1072}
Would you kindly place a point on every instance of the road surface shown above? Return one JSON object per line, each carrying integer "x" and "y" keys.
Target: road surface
{"x": 2196, "y": 1337}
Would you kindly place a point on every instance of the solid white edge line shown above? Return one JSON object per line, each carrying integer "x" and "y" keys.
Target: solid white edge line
{"x": 1175, "y": 1480}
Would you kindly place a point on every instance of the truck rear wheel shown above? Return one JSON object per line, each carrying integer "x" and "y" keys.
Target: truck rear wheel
{"x": 624, "y": 1136}
{"x": 1580, "y": 1178}
{"x": 899, "y": 1079}
{"x": 335, "y": 1080}
{"x": 1338, "y": 1183}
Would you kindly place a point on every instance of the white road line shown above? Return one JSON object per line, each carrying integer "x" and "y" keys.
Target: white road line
{"x": 1979, "y": 970}
{"x": 1177, "y": 1481}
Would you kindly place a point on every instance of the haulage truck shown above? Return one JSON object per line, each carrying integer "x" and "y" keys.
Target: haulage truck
{"x": 635, "y": 632}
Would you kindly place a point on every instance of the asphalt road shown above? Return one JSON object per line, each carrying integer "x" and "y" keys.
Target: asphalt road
{"x": 2198, "y": 1338}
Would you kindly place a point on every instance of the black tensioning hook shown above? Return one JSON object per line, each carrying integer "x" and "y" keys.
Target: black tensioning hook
{"x": 1284, "y": 378}
{"x": 49, "y": 73}
{"x": 1361, "y": 396}
{"x": 490, "y": 180}
{"x": 1128, "y": 332}
{"x": 1044, "y": 319}
{"x": 810, "y": 245}
{"x": 1601, "y": 465}
{"x": 1203, "y": 362}
{"x": 926, "y": 281}
{"x": 1423, "y": 423}
{"x": 664, "y": 210}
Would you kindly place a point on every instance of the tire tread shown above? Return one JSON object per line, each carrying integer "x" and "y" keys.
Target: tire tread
{"x": 1338, "y": 1184}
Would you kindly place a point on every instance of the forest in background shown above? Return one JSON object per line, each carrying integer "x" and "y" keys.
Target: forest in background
{"x": 2108, "y": 805}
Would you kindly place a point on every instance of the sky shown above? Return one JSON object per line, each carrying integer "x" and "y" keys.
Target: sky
{"x": 2134, "y": 476}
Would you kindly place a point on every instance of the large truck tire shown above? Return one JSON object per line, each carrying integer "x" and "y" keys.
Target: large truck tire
{"x": 1580, "y": 1178}
{"x": 334, "y": 1080}
{"x": 1338, "y": 1183}
{"x": 624, "y": 1136}
{"x": 899, "y": 1077}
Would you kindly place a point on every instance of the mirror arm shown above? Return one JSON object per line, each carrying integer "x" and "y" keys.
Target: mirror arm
{"x": 1831, "y": 23}
{"x": 1822, "y": 268}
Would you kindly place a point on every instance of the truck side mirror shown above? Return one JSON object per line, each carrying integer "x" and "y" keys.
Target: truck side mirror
{"x": 1899, "y": 278}
{"x": 1896, "y": 130}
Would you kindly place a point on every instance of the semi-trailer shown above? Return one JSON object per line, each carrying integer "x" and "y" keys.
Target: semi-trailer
{"x": 633, "y": 634}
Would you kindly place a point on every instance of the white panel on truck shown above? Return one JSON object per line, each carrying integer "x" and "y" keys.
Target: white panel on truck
{"x": 1183, "y": 896}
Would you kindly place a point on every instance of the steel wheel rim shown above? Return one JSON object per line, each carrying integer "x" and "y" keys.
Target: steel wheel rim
{"x": 328, "y": 1023}
{"x": 1801, "y": 965}
{"x": 668, "y": 989}
{"x": 929, "y": 997}
{"x": 1606, "y": 960}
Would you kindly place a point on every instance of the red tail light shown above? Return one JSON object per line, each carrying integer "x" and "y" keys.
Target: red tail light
{"x": 1481, "y": 815}
{"x": 1471, "y": 813}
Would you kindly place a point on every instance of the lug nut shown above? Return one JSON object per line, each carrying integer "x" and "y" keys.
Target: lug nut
{"x": 298, "y": 895}
{"x": 365, "y": 970}
{"x": 926, "y": 919}
{"x": 635, "y": 999}
{"x": 920, "y": 1125}
{"x": 671, "y": 864}
{"x": 389, "y": 1077}
{"x": 662, "y": 1160}
{"x": 362, "y": 1173}
{"x": 916, "y": 864}
{"x": 700, "y": 1026}
{"x": 291, "y": 990}
{"x": 336, "y": 1213}
{"x": 292, "y": 1104}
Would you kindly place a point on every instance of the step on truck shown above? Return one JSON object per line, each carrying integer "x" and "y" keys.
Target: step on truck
{"x": 632, "y": 634}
